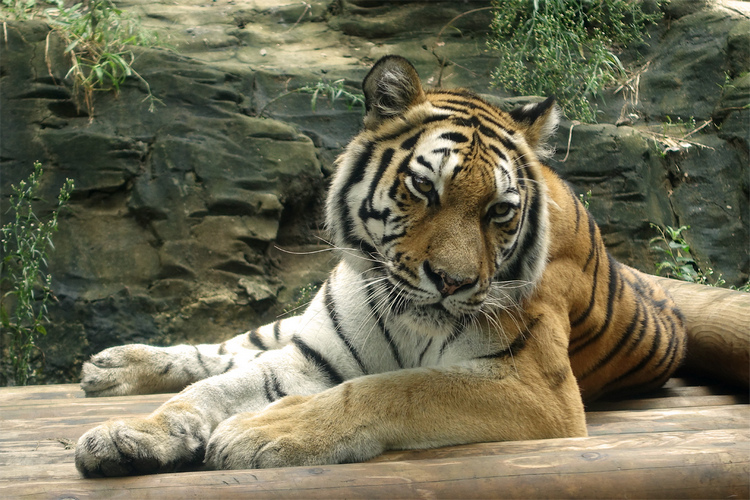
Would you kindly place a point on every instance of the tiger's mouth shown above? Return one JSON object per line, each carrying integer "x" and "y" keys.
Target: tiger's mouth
{"x": 409, "y": 298}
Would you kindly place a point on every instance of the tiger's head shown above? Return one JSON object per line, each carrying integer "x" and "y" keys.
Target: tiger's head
{"x": 442, "y": 195}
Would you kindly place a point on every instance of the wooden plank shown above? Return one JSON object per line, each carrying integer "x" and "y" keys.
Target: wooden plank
{"x": 107, "y": 407}
{"x": 14, "y": 395}
{"x": 680, "y": 472}
{"x": 668, "y": 402}
{"x": 664, "y": 420}
{"x": 591, "y": 444}
{"x": 35, "y": 453}
{"x": 717, "y": 321}
{"x": 20, "y": 461}
{"x": 72, "y": 426}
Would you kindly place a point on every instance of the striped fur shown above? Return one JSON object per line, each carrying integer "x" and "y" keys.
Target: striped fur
{"x": 474, "y": 301}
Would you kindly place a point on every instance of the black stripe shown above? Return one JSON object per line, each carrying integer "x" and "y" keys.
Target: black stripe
{"x": 594, "y": 253}
{"x": 267, "y": 389}
{"x": 404, "y": 166}
{"x": 409, "y": 143}
{"x": 356, "y": 176}
{"x": 366, "y": 209}
{"x": 199, "y": 357}
{"x": 436, "y": 118}
{"x": 254, "y": 338}
{"x": 593, "y": 240}
{"x": 271, "y": 386}
{"x": 230, "y": 365}
{"x": 315, "y": 357}
{"x": 457, "y": 332}
{"x": 637, "y": 368}
{"x": 644, "y": 329}
{"x": 485, "y": 113}
{"x": 390, "y": 237}
{"x": 277, "y": 386}
{"x": 392, "y": 346}
{"x": 454, "y": 136}
{"x": 425, "y": 163}
{"x": 518, "y": 343}
{"x": 627, "y": 336}
{"x": 673, "y": 349}
{"x": 530, "y": 238}
{"x": 498, "y": 152}
{"x": 614, "y": 285}
{"x": 331, "y": 308}
{"x": 277, "y": 330}
{"x": 424, "y": 351}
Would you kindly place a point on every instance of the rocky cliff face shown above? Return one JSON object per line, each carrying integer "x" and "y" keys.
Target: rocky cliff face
{"x": 187, "y": 223}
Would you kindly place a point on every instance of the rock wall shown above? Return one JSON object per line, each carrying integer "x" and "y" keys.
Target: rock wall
{"x": 187, "y": 224}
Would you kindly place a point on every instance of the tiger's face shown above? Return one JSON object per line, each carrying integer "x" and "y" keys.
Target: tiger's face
{"x": 444, "y": 196}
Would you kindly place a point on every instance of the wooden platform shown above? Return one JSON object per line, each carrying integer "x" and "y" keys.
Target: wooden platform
{"x": 685, "y": 441}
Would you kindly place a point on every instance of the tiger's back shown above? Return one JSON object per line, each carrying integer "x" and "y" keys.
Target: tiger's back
{"x": 627, "y": 335}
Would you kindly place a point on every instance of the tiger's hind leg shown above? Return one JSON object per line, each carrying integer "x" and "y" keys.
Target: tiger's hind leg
{"x": 143, "y": 369}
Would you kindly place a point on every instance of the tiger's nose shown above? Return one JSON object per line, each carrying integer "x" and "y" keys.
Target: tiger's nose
{"x": 446, "y": 284}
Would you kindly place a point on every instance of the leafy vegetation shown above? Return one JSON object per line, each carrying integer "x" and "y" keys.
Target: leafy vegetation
{"x": 677, "y": 261}
{"x": 303, "y": 297}
{"x": 333, "y": 91}
{"x": 98, "y": 38}
{"x": 25, "y": 287}
{"x": 564, "y": 47}
{"x": 585, "y": 199}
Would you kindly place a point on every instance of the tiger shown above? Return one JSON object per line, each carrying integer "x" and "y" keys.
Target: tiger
{"x": 473, "y": 301}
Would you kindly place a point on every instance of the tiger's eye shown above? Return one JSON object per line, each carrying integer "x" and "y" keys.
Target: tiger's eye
{"x": 422, "y": 185}
{"x": 500, "y": 210}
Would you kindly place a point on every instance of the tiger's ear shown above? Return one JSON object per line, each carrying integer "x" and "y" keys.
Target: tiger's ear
{"x": 391, "y": 87}
{"x": 538, "y": 121}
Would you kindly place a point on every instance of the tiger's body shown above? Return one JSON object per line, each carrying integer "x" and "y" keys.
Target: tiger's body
{"x": 474, "y": 301}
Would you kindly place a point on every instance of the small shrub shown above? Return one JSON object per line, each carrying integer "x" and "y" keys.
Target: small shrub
{"x": 333, "y": 91}
{"x": 678, "y": 262}
{"x": 25, "y": 287}
{"x": 564, "y": 47}
{"x": 99, "y": 37}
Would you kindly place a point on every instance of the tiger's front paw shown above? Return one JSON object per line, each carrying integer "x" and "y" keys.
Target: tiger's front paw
{"x": 134, "y": 446}
{"x": 126, "y": 370}
{"x": 295, "y": 431}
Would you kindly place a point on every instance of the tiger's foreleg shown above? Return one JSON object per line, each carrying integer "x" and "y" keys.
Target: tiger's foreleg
{"x": 144, "y": 369}
{"x": 177, "y": 433}
{"x": 531, "y": 395}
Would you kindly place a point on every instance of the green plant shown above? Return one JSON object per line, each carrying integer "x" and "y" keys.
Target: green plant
{"x": 99, "y": 38}
{"x": 303, "y": 297}
{"x": 677, "y": 261}
{"x": 25, "y": 287}
{"x": 334, "y": 91}
{"x": 17, "y": 9}
{"x": 585, "y": 199}
{"x": 564, "y": 47}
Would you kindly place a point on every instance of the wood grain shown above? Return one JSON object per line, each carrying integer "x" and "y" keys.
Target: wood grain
{"x": 718, "y": 323}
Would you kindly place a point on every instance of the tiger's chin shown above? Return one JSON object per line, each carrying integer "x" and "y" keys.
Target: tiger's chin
{"x": 433, "y": 320}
